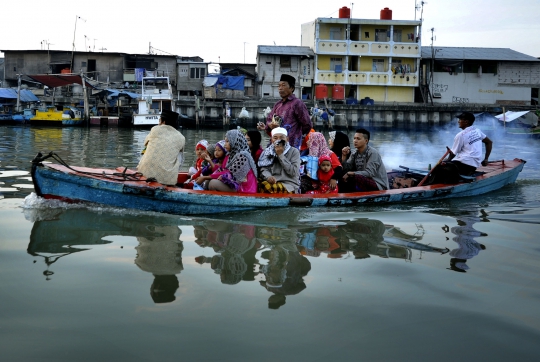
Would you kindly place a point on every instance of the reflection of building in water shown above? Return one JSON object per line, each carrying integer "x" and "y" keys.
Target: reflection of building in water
{"x": 161, "y": 255}
{"x": 467, "y": 246}
{"x": 236, "y": 246}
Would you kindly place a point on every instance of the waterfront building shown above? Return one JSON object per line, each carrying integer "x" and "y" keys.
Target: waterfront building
{"x": 274, "y": 60}
{"x": 375, "y": 59}
{"x": 479, "y": 75}
{"x": 190, "y": 74}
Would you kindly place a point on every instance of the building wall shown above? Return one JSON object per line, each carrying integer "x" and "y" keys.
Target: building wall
{"x": 519, "y": 73}
{"x": 109, "y": 67}
{"x": 308, "y": 34}
{"x": 270, "y": 71}
{"x": 400, "y": 94}
{"x": 471, "y": 88}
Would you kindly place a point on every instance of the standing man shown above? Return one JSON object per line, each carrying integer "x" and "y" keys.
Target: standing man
{"x": 363, "y": 169}
{"x": 465, "y": 154}
{"x": 289, "y": 113}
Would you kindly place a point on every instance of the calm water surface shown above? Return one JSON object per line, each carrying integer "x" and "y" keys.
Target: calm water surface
{"x": 447, "y": 280}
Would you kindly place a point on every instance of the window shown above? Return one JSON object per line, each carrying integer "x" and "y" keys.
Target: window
{"x": 285, "y": 61}
{"x": 197, "y": 73}
{"x": 378, "y": 65}
{"x": 397, "y": 35}
{"x": 335, "y": 34}
{"x": 336, "y": 64}
{"x": 91, "y": 66}
{"x": 381, "y": 35}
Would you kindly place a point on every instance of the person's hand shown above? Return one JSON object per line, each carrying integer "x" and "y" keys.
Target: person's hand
{"x": 485, "y": 162}
{"x": 346, "y": 176}
{"x": 206, "y": 156}
{"x": 333, "y": 184}
{"x": 273, "y": 125}
{"x": 345, "y": 151}
{"x": 260, "y": 126}
{"x": 279, "y": 148}
{"x": 271, "y": 180}
{"x": 200, "y": 180}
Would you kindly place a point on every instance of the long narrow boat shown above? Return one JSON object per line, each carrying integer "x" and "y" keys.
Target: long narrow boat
{"x": 126, "y": 188}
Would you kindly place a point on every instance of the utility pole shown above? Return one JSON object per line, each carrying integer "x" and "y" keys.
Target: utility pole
{"x": 73, "y": 48}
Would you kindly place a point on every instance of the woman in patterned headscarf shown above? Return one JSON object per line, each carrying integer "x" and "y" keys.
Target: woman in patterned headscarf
{"x": 240, "y": 174}
{"x": 318, "y": 148}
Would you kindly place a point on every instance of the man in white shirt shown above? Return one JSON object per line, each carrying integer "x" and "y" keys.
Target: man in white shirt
{"x": 466, "y": 152}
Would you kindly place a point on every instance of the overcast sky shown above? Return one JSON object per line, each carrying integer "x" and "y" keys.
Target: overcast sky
{"x": 229, "y": 31}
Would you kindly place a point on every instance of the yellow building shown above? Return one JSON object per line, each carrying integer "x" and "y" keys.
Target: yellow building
{"x": 365, "y": 58}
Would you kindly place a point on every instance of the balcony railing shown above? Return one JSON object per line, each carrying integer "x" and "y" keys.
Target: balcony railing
{"x": 388, "y": 49}
{"x": 367, "y": 78}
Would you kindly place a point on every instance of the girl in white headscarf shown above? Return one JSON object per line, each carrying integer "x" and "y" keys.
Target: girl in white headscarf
{"x": 240, "y": 174}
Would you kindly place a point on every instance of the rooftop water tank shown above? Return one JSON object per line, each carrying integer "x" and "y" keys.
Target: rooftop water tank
{"x": 344, "y": 13}
{"x": 386, "y": 14}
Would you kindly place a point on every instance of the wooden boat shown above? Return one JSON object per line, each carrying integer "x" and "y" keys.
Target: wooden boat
{"x": 126, "y": 188}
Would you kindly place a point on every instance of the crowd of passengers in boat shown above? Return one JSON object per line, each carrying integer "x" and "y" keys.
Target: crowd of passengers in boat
{"x": 297, "y": 159}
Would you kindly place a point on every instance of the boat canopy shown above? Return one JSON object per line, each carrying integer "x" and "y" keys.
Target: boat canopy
{"x": 113, "y": 94}
{"x": 59, "y": 80}
{"x": 118, "y": 93}
{"x": 25, "y": 94}
{"x": 526, "y": 117}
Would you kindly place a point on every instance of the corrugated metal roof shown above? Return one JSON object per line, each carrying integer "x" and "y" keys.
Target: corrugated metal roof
{"x": 285, "y": 50}
{"x": 500, "y": 54}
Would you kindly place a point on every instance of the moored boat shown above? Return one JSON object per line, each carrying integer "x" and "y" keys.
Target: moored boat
{"x": 24, "y": 116}
{"x": 51, "y": 116}
{"x": 122, "y": 187}
{"x": 156, "y": 96}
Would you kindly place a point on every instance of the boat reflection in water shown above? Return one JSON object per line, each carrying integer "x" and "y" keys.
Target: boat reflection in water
{"x": 277, "y": 257}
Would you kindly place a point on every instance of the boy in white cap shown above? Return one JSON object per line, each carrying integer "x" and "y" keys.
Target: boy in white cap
{"x": 280, "y": 165}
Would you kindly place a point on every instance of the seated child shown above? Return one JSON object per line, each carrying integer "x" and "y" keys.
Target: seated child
{"x": 215, "y": 164}
{"x": 324, "y": 174}
{"x": 200, "y": 163}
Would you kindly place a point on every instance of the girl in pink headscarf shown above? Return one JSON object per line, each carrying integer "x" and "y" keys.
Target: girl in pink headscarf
{"x": 319, "y": 148}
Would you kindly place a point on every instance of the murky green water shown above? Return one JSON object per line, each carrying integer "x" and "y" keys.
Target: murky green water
{"x": 445, "y": 280}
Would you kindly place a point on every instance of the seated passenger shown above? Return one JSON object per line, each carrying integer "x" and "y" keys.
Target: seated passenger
{"x": 215, "y": 163}
{"x": 163, "y": 144}
{"x": 466, "y": 153}
{"x": 254, "y": 139}
{"x": 325, "y": 175}
{"x": 318, "y": 148}
{"x": 364, "y": 169}
{"x": 239, "y": 171}
{"x": 280, "y": 165}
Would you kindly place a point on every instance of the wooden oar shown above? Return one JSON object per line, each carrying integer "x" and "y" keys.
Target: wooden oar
{"x": 438, "y": 163}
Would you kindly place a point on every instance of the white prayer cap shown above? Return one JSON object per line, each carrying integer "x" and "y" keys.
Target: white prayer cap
{"x": 279, "y": 130}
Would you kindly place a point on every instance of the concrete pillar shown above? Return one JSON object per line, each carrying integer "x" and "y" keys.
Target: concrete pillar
{"x": 434, "y": 117}
{"x": 400, "y": 118}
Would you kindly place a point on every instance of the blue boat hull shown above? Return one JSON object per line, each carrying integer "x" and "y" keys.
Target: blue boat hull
{"x": 125, "y": 188}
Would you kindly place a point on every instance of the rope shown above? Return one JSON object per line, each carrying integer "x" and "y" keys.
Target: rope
{"x": 115, "y": 175}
